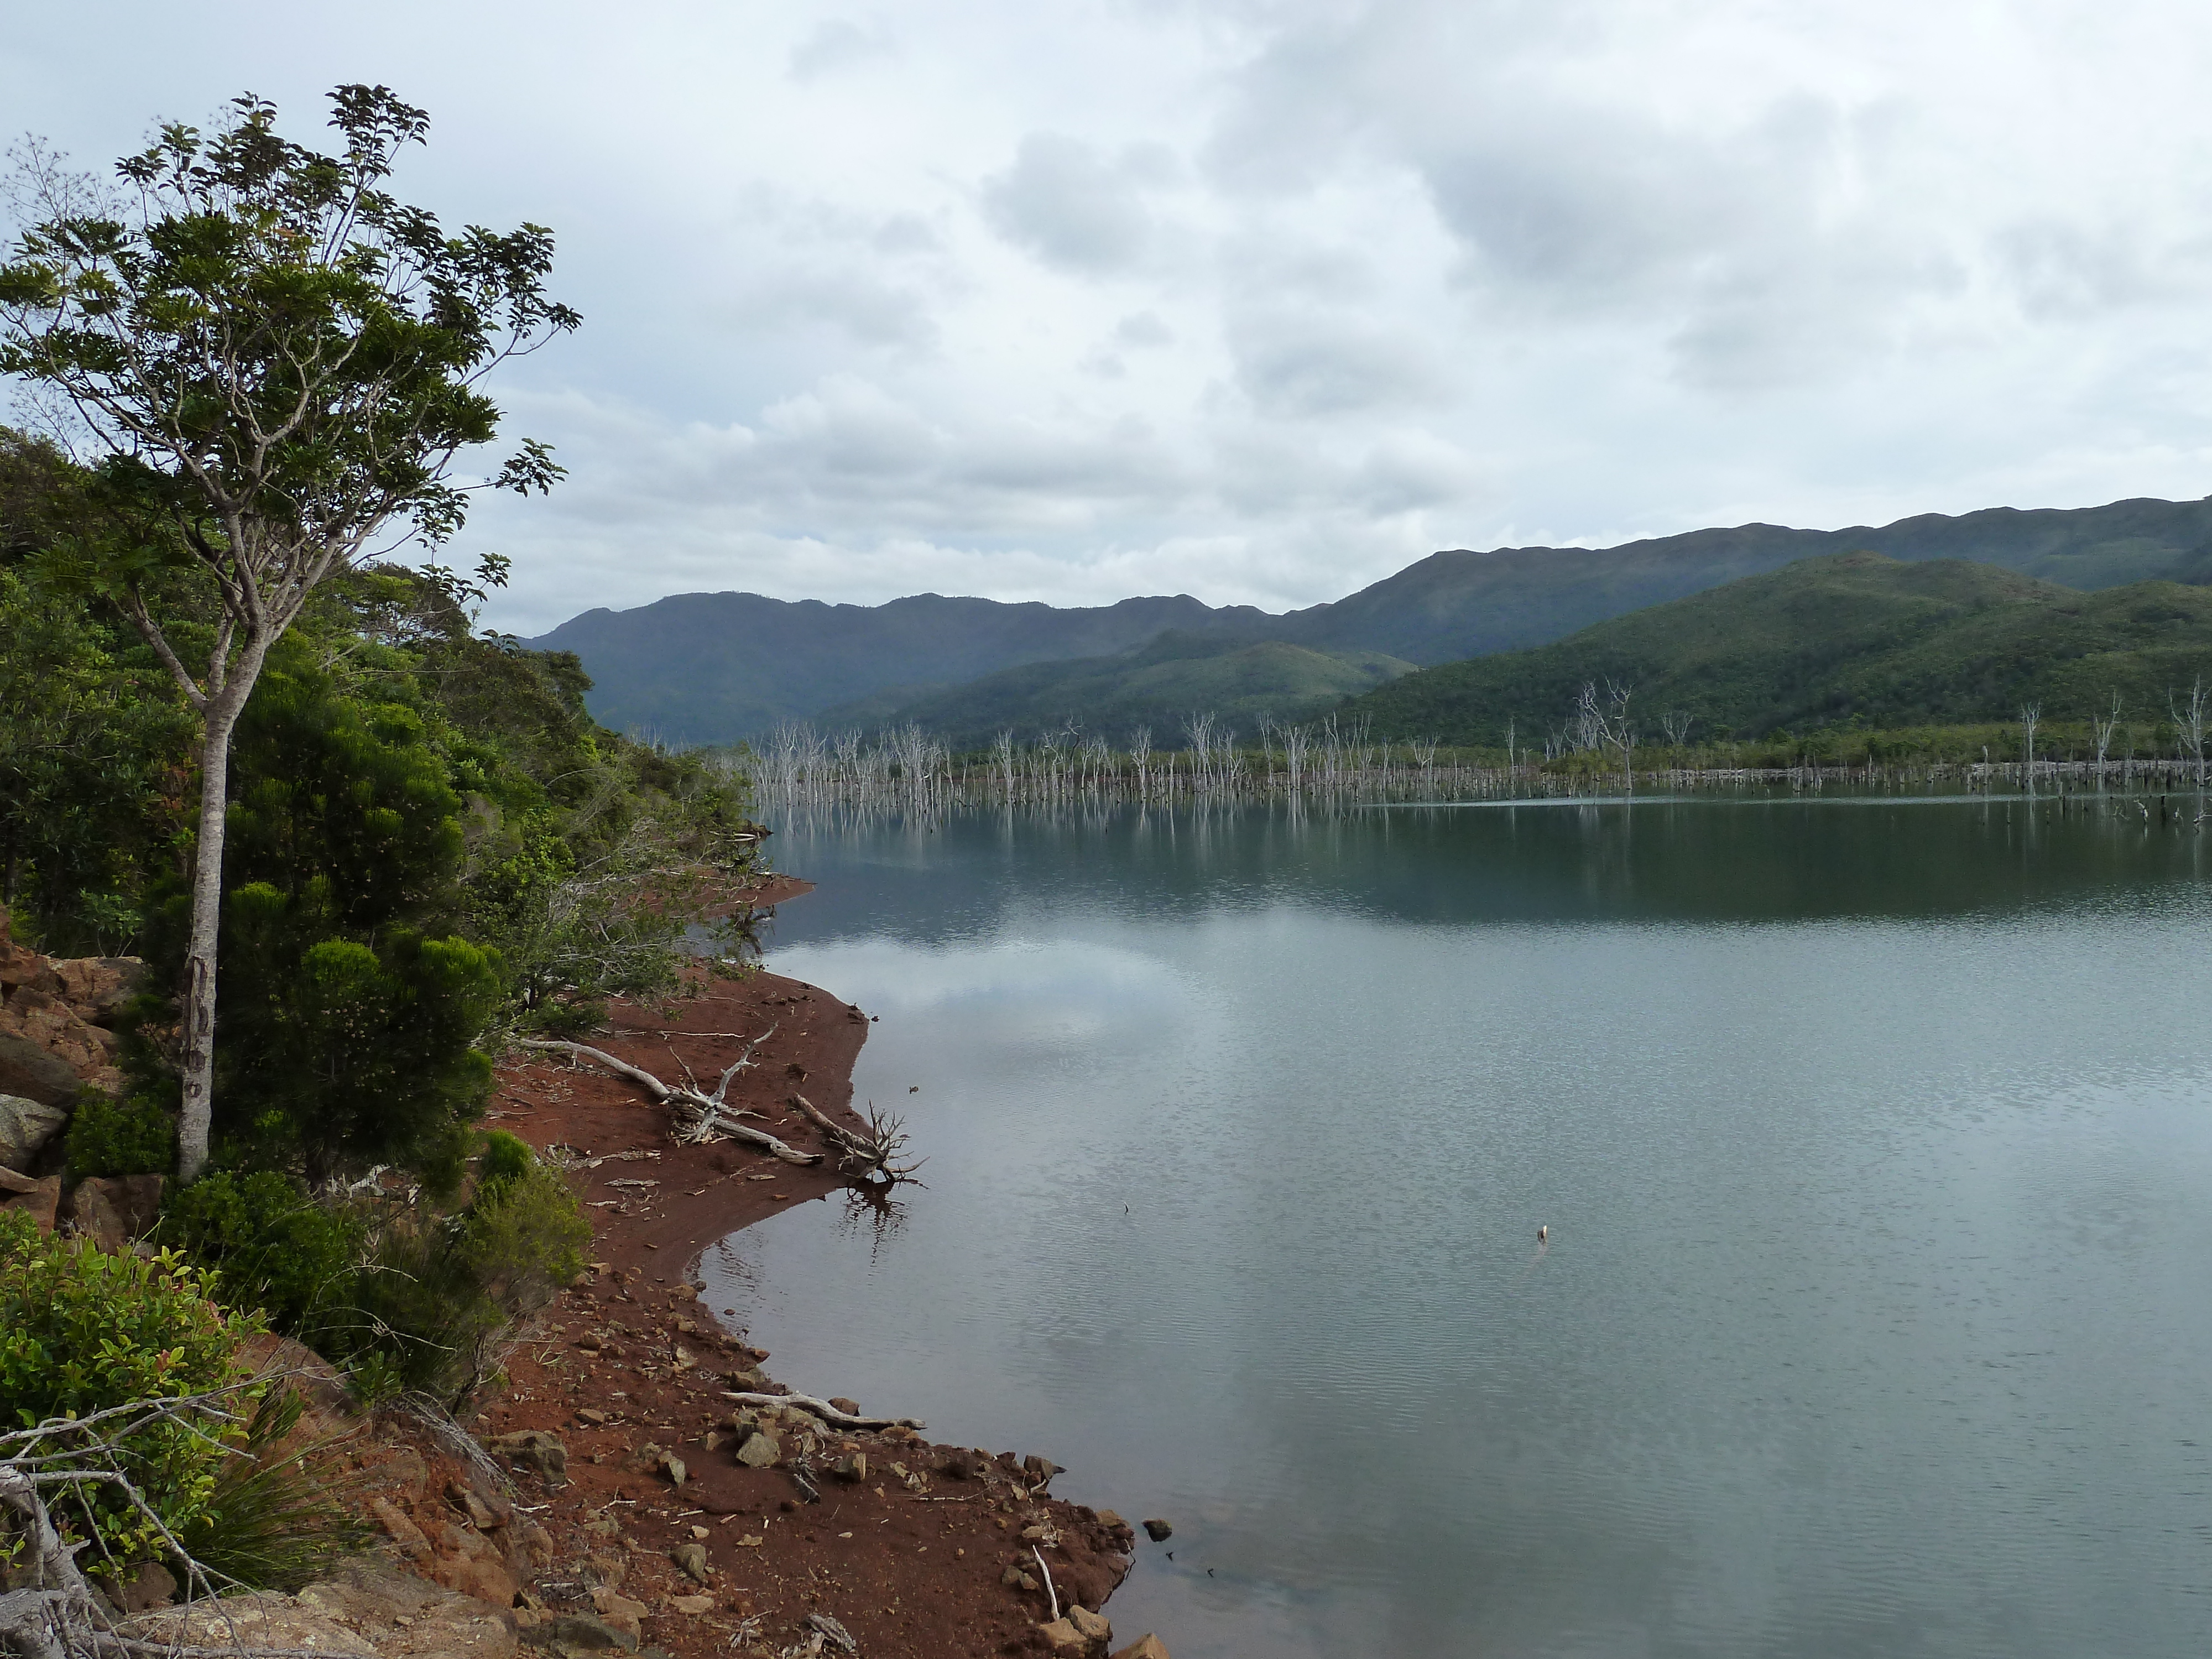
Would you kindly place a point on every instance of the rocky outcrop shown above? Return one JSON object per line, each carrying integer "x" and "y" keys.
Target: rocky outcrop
{"x": 365, "y": 1609}
{"x": 56, "y": 1020}
{"x": 27, "y": 1124}
{"x": 115, "y": 1211}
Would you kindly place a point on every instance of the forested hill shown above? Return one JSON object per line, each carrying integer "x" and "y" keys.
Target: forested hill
{"x": 1159, "y": 685}
{"x": 709, "y": 668}
{"x": 714, "y": 667}
{"x": 1828, "y": 640}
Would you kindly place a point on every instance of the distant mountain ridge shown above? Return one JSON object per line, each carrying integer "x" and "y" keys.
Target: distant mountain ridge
{"x": 716, "y": 667}
{"x": 707, "y": 668}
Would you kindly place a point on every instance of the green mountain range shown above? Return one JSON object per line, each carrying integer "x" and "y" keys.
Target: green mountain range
{"x": 1848, "y": 637}
{"x": 716, "y": 667}
{"x": 1159, "y": 685}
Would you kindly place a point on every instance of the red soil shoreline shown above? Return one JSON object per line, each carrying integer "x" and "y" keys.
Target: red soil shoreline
{"x": 911, "y": 1558}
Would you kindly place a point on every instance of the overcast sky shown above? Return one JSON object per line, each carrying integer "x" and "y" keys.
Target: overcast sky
{"x": 1261, "y": 302}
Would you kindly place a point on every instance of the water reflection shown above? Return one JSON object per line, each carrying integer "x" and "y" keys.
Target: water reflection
{"x": 1872, "y": 1138}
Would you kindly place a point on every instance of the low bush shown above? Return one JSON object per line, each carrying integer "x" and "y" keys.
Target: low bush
{"x": 275, "y": 1248}
{"x": 111, "y": 1137}
{"x": 82, "y": 1331}
{"x": 440, "y": 1295}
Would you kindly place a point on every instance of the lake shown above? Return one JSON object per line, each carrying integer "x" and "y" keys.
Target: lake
{"x": 1874, "y": 1137}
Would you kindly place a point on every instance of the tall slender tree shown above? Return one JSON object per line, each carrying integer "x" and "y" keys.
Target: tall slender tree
{"x": 277, "y": 367}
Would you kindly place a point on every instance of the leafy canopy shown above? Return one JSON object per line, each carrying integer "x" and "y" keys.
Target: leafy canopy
{"x": 276, "y": 354}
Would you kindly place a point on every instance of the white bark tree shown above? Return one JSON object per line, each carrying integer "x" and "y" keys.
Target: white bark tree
{"x": 277, "y": 365}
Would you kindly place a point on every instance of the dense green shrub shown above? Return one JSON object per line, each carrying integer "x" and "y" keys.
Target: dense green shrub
{"x": 272, "y": 1246}
{"x": 81, "y": 1331}
{"x": 439, "y": 1294}
{"x": 111, "y": 1137}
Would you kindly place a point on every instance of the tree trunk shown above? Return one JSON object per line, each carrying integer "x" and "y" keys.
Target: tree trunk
{"x": 196, "y": 1060}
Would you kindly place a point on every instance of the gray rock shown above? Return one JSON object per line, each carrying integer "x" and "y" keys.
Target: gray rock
{"x": 575, "y": 1631}
{"x": 692, "y": 1559}
{"x": 532, "y": 1449}
{"x": 248, "y": 1622}
{"x": 1158, "y": 1530}
{"x": 760, "y": 1451}
{"x": 30, "y": 1117}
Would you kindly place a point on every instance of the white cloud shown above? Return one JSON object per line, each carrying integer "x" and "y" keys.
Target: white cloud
{"x": 1262, "y": 299}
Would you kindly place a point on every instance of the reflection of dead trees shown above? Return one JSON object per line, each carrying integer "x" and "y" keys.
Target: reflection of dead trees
{"x": 874, "y": 1154}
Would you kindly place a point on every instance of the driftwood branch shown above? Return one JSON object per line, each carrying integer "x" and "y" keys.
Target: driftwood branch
{"x": 699, "y": 1115}
{"x": 827, "y": 1412}
{"x": 875, "y": 1152}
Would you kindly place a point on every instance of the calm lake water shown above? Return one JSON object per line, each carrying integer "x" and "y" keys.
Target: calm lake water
{"x": 1874, "y": 1138}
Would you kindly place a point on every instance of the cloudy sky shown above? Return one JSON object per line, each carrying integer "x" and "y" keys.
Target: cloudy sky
{"x": 1260, "y": 299}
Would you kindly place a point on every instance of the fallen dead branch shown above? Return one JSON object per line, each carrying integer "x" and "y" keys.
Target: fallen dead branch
{"x": 875, "y": 1152}
{"x": 53, "y": 1612}
{"x": 699, "y": 1115}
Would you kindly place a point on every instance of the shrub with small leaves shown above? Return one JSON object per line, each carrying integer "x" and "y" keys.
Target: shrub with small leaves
{"x": 81, "y": 1331}
{"x": 273, "y": 1246}
{"x": 111, "y": 1137}
{"x": 443, "y": 1295}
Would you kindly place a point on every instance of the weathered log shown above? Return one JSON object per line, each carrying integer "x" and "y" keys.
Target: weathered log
{"x": 699, "y": 1115}
{"x": 875, "y": 1150}
{"x": 827, "y": 1412}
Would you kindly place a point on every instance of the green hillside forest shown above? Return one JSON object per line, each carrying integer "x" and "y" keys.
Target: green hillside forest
{"x": 1159, "y": 685}
{"x": 1847, "y": 640}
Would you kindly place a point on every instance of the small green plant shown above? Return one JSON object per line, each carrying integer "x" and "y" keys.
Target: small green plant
{"x": 82, "y": 1331}
{"x": 111, "y": 1137}
{"x": 274, "y": 1246}
{"x": 274, "y": 1519}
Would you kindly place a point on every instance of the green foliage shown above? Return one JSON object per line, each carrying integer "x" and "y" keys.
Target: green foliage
{"x": 1852, "y": 639}
{"x": 1157, "y": 684}
{"x": 304, "y": 268}
{"x": 81, "y": 1331}
{"x": 273, "y": 1247}
{"x": 111, "y": 1137}
{"x": 275, "y": 1519}
{"x": 93, "y": 733}
{"x": 439, "y": 1296}
{"x": 346, "y": 1025}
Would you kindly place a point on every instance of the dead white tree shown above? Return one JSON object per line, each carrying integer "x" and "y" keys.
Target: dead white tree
{"x": 50, "y": 1610}
{"x": 2030, "y": 716}
{"x": 2103, "y": 726}
{"x": 1676, "y": 724}
{"x": 2189, "y": 720}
